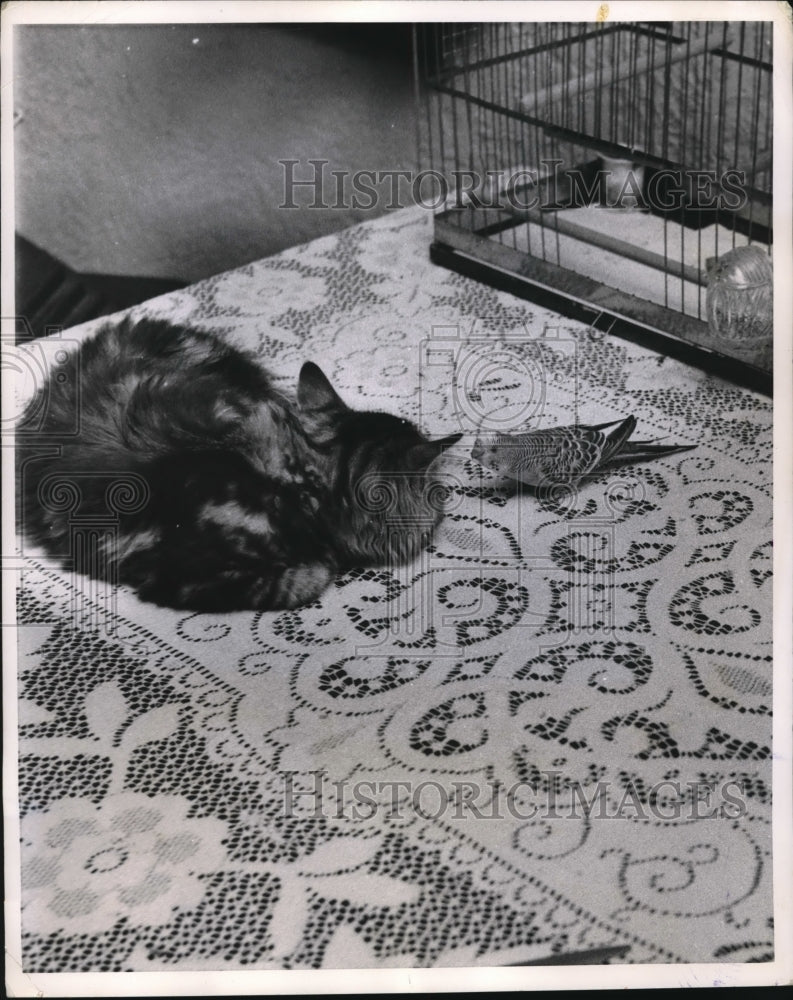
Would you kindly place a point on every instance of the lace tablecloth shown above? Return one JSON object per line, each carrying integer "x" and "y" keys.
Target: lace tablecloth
{"x": 550, "y": 734}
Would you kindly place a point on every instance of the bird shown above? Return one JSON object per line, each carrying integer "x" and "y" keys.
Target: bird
{"x": 563, "y": 456}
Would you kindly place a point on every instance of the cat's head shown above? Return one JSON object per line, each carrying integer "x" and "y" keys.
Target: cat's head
{"x": 386, "y": 476}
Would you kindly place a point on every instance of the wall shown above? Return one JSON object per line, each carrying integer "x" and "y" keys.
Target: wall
{"x": 153, "y": 150}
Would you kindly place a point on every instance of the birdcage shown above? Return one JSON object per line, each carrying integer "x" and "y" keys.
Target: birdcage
{"x": 604, "y": 170}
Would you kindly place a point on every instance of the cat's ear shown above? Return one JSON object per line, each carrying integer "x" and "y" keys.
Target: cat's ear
{"x": 421, "y": 455}
{"x": 314, "y": 391}
{"x": 448, "y": 441}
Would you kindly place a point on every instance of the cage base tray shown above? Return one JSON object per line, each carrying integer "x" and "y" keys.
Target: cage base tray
{"x": 577, "y": 296}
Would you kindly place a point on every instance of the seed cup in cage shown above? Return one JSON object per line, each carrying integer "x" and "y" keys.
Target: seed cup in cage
{"x": 740, "y": 304}
{"x": 621, "y": 183}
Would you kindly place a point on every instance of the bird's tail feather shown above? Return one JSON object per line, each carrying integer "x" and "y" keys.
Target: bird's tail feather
{"x": 639, "y": 451}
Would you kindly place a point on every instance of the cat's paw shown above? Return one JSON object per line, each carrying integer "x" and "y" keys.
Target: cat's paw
{"x": 301, "y": 585}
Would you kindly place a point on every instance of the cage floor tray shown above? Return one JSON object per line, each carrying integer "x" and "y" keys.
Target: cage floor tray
{"x": 586, "y": 273}
{"x": 682, "y": 249}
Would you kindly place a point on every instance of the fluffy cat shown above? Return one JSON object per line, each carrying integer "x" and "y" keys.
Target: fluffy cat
{"x": 228, "y": 494}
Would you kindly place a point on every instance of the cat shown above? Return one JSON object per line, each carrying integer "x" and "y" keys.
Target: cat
{"x": 229, "y": 495}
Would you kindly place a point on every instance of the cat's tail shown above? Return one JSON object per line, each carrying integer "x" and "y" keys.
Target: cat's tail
{"x": 275, "y": 590}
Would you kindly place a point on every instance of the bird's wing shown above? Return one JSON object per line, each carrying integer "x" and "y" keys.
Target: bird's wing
{"x": 557, "y": 455}
{"x": 617, "y": 439}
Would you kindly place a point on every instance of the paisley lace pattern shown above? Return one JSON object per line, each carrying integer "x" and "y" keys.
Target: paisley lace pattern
{"x": 550, "y": 733}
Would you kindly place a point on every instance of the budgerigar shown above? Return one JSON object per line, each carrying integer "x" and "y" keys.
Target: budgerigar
{"x": 564, "y": 455}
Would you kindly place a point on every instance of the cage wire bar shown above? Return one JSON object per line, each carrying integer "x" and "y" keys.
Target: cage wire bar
{"x": 605, "y": 170}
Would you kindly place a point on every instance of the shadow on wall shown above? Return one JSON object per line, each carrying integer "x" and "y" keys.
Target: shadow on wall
{"x": 154, "y": 149}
